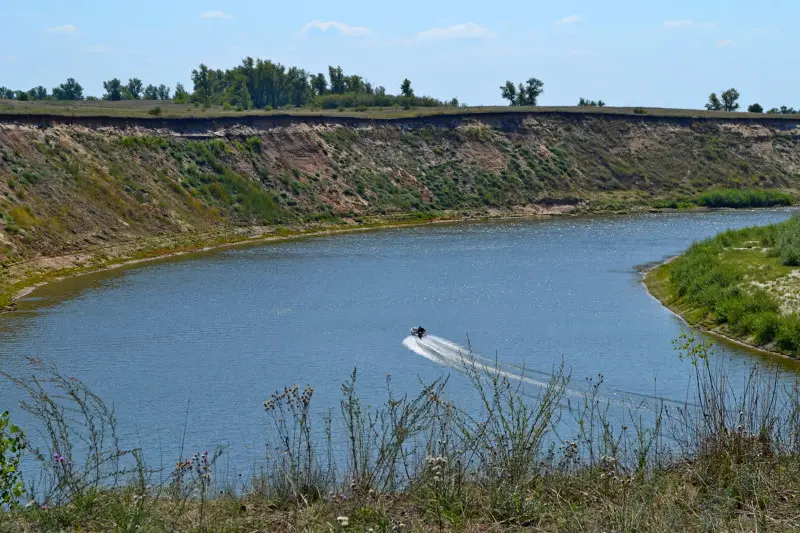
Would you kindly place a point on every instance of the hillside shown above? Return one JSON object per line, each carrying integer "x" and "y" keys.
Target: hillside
{"x": 79, "y": 191}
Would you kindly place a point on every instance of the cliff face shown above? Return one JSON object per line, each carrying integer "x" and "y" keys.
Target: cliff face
{"x": 68, "y": 185}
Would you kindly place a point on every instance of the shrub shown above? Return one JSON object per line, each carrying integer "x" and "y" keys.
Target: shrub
{"x": 12, "y": 444}
{"x": 787, "y": 241}
{"x": 639, "y": 110}
{"x": 155, "y": 111}
{"x": 743, "y": 198}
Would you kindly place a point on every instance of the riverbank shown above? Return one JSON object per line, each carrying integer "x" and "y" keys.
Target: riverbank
{"x": 29, "y": 276}
{"x": 740, "y": 286}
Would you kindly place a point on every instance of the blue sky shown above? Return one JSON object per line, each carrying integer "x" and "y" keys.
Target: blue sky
{"x": 669, "y": 54}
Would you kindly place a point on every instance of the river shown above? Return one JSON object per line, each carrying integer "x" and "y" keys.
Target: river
{"x": 211, "y": 335}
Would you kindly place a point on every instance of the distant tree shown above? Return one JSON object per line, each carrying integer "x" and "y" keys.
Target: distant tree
{"x": 773, "y": 111}
{"x": 713, "y": 103}
{"x": 150, "y": 92}
{"x": 509, "y": 92}
{"x": 69, "y": 90}
{"x": 202, "y": 84}
{"x": 336, "y": 77}
{"x": 529, "y": 92}
{"x": 21, "y": 95}
{"x": 319, "y": 84}
{"x": 368, "y": 88}
{"x": 181, "y": 96}
{"x": 6, "y": 93}
{"x": 583, "y": 102}
{"x": 163, "y": 92}
{"x": 38, "y": 93}
{"x": 113, "y": 88}
{"x": 755, "y": 108}
{"x": 787, "y": 110}
{"x": 133, "y": 89}
{"x": 354, "y": 84}
{"x": 380, "y": 91}
{"x": 454, "y": 102}
{"x": 237, "y": 94}
{"x": 729, "y": 100}
{"x": 405, "y": 88}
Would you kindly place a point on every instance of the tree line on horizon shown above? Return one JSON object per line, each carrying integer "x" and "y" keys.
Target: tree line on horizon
{"x": 729, "y": 101}
{"x": 254, "y": 84}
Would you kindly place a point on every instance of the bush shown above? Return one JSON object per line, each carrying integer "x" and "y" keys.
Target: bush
{"x": 156, "y": 111}
{"x": 12, "y": 444}
{"x": 639, "y": 110}
{"x": 743, "y": 198}
{"x": 787, "y": 241}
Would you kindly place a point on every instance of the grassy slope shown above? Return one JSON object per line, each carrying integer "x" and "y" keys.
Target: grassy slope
{"x": 736, "y": 285}
{"x": 79, "y": 194}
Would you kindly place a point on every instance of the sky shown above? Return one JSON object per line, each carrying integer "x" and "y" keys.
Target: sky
{"x": 625, "y": 52}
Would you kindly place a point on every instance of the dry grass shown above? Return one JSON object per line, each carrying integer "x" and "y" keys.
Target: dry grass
{"x": 168, "y": 109}
{"x": 727, "y": 461}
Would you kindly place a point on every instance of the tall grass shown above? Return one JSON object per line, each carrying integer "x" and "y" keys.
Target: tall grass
{"x": 718, "y": 290}
{"x": 743, "y": 198}
{"x": 727, "y": 459}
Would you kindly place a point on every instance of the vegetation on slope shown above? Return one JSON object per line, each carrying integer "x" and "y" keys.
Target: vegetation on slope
{"x": 84, "y": 194}
{"x": 742, "y": 283}
{"x": 727, "y": 460}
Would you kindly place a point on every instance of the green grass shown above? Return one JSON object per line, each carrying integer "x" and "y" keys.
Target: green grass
{"x": 734, "y": 198}
{"x": 727, "y": 283}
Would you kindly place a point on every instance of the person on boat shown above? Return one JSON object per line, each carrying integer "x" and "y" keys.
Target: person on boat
{"x": 420, "y": 332}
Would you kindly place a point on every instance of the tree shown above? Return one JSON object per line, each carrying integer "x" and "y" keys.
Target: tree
{"x": 713, "y": 103}
{"x": 509, "y": 92}
{"x": 529, "y": 92}
{"x": 133, "y": 89}
{"x": 337, "y": 79}
{"x": 151, "y": 92}
{"x": 583, "y": 102}
{"x": 319, "y": 84}
{"x": 181, "y": 96}
{"x": 6, "y": 93}
{"x": 202, "y": 84}
{"x": 755, "y": 108}
{"x": 163, "y": 92}
{"x": 405, "y": 88}
{"x": 69, "y": 90}
{"x": 354, "y": 84}
{"x": 113, "y": 89}
{"x": 20, "y": 95}
{"x": 38, "y": 93}
{"x": 729, "y": 100}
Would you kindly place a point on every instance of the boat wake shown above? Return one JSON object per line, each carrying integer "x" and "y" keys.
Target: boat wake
{"x": 449, "y": 354}
{"x": 452, "y": 355}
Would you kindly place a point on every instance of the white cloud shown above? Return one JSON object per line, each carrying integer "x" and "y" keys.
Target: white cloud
{"x": 215, "y": 15}
{"x": 66, "y": 29}
{"x": 341, "y": 27}
{"x": 100, "y": 49}
{"x": 467, "y": 30}
{"x": 726, "y": 43}
{"x": 688, "y": 23}
{"x": 570, "y": 20}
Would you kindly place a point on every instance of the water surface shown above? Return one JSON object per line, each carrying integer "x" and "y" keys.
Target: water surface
{"x": 218, "y": 332}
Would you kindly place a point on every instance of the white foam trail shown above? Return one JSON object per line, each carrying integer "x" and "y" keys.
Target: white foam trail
{"x": 450, "y": 354}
